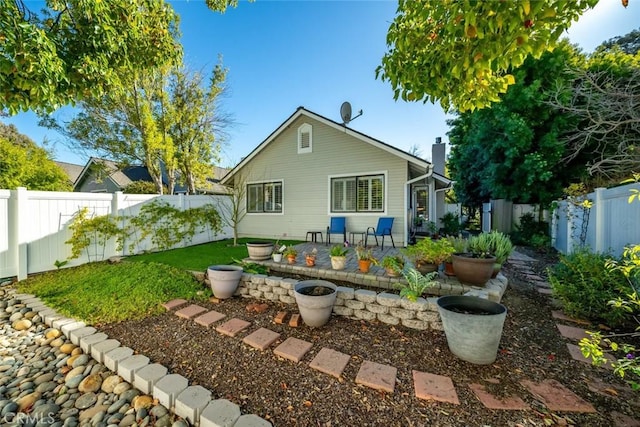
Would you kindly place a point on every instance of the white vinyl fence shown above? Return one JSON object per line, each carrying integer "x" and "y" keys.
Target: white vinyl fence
{"x": 34, "y": 225}
{"x": 608, "y": 226}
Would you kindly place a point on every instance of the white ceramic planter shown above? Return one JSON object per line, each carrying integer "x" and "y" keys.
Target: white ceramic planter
{"x": 259, "y": 250}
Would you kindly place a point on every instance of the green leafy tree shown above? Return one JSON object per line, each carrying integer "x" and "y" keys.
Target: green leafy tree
{"x": 196, "y": 119}
{"x": 629, "y": 43}
{"x": 604, "y": 98}
{"x": 74, "y": 49}
{"x": 460, "y": 52}
{"x": 24, "y": 164}
{"x": 511, "y": 150}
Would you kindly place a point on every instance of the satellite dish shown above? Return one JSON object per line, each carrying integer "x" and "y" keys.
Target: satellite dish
{"x": 345, "y": 112}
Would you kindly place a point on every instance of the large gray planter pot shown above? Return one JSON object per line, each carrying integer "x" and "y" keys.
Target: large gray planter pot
{"x": 259, "y": 250}
{"x": 224, "y": 280}
{"x": 315, "y": 309}
{"x": 473, "y": 327}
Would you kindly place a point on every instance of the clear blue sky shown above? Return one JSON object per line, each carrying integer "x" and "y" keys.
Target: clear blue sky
{"x": 317, "y": 54}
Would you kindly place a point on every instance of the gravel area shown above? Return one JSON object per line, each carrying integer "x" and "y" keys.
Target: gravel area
{"x": 293, "y": 394}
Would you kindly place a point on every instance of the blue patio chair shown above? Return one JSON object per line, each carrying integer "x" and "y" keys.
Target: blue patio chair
{"x": 338, "y": 225}
{"x": 385, "y": 224}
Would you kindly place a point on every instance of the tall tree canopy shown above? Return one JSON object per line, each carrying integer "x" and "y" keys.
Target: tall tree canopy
{"x": 512, "y": 149}
{"x": 460, "y": 52}
{"x": 166, "y": 120}
{"x": 76, "y": 48}
{"x": 24, "y": 164}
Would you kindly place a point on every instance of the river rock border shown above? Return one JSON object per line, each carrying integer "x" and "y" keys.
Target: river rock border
{"x": 362, "y": 304}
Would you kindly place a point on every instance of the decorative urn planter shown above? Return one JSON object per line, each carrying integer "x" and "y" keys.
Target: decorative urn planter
{"x": 474, "y": 271}
{"x": 315, "y": 299}
{"x": 338, "y": 262}
{"x": 473, "y": 327}
{"x": 259, "y": 250}
{"x": 224, "y": 279}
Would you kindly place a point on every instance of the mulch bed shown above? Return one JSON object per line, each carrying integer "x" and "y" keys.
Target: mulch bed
{"x": 290, "y": 394}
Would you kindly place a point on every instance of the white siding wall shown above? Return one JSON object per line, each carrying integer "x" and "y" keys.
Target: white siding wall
{"x": 34, "y": 226}
{"x": 306, "y": 186}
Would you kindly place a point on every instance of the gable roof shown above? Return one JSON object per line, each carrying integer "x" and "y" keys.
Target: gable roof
{"x": 73, "y": 171}
{"x": 301, "y": 111}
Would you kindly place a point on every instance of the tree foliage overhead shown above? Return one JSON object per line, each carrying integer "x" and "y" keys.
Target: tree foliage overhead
{"x": 76, "y": 48}
{"x": 460, "y": 52}
{"x": 166, "y": 120}
{"x": 512, "y": 149}
{"x": 24, "y": 164}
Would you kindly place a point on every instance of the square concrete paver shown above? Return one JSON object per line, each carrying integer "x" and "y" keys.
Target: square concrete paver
{"x": 576, "y": 354}
{"x": 233, "y": 327}
{"x": 492, "y": 402}
{"x": 261, "y": 339}
{"x": 557, "y": 397}
{"x": 293, "y": 349}
{"x": 190, "y": 312}
{"x": 377, "y": 376}
{"x": 209, "y": 318}
{"x": 557, "y": 314}
{"x": 544, "y": 291}
{"x": 572, "y": 332}
{"x": 434, "y": 387}
{"x": 330, "y": 362}
{"x": 174, "y": 303}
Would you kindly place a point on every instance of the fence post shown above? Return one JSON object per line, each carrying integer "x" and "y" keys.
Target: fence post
{"x": 18, "y": 240}
{"x": 570, "y": 227}
{"x": 599, "y": 212}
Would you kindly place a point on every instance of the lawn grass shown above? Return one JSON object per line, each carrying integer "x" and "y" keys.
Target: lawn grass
{"x": 199, "y": 257}
{"x": 102, "y": 293}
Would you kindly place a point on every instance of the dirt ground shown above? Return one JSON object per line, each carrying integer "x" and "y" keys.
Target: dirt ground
{"x": 292, "y": 394}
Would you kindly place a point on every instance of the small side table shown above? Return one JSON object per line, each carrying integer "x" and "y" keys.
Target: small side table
{"x": 314, "y": 236}
{"x": 352, "y": 241}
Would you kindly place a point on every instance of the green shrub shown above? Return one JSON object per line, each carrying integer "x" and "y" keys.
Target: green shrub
{"x": 585, "y": 285}
{"x": 530, "y": 232}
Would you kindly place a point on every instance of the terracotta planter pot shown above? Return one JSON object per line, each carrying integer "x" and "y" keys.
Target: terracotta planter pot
{"x": 474, "y": 271}
{"x": 338, "y": 262}
{"x": 448, "y": 269}
{"x": 392, "y": 273}
{"x": 311, "y": 261}
{"x": 291, "y": 259}
{"x": 364, "y": 265}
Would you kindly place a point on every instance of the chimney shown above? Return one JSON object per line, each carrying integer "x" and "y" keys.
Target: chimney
{"x": 438, "y": 156}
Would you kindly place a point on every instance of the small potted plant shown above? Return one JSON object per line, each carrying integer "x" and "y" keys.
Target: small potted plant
{"x": 365, "y": 258}
{"x": 393, "y": 264}
{"x": 278, "y": 251}
{"x": 338, "y": 254}
{"x": 310, "y": 257}
{"x": 416, "y": 284}
{"x": 290, "y": 253}
{"x": 475, "y": 266}
{"x": 501, "y": 247}
{"x": 428, "y": 254}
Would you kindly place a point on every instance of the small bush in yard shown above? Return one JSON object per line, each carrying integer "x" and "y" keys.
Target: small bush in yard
{"x": 585, "y": 285}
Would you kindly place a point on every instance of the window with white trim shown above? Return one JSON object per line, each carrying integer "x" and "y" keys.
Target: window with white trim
{"x": 305, "y": 139}
{"x": 357, "y": 194}
{"x": 264, "y": 197}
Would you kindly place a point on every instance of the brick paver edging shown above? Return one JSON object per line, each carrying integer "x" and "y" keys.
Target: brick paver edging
{"x": 364, "y": 304}
{"x": 193, "y": 403}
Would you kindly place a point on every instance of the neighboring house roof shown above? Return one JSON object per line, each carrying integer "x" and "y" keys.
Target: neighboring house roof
{"x": 416, "y": 162}
{"x": 72, "y": 171}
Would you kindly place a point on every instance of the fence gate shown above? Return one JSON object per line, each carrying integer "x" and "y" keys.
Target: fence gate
{"x": 486, "y": 217}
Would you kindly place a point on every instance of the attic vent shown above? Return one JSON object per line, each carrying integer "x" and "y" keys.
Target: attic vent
{"x": 305, "y": 139}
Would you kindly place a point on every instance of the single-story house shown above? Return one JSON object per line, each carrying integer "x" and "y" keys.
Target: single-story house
{"x": 312, "y": 168}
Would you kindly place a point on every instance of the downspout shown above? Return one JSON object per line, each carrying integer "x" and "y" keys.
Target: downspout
{"x": 407, "y": 191}
{"x": 447, "y": 188}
